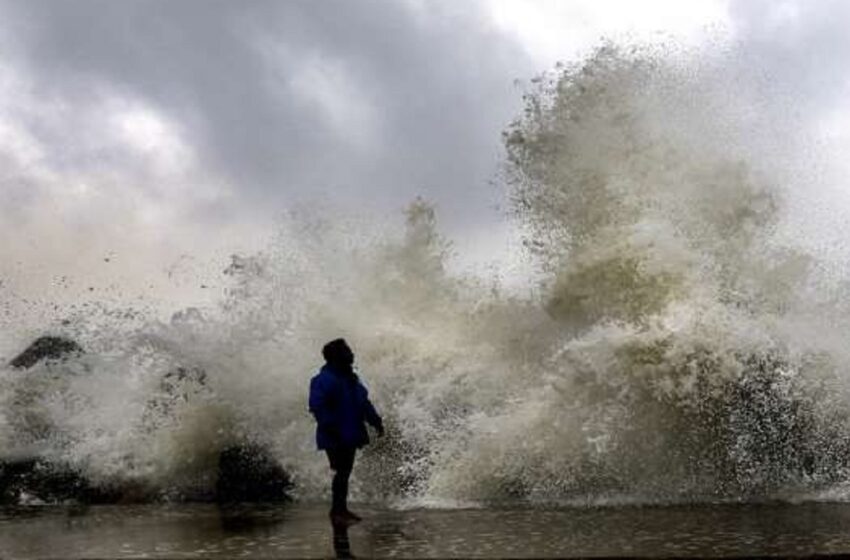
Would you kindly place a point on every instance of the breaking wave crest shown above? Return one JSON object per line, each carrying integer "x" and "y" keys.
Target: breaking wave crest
{"x": 677, "y": 349}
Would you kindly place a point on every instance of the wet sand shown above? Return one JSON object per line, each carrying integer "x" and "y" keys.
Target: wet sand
{"x": 303, "y": 531}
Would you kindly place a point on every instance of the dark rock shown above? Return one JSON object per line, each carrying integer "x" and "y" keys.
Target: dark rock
{"x": 45, "y": 348}
{"x": 36, "y": 479}
{"x": 249, "y": 473}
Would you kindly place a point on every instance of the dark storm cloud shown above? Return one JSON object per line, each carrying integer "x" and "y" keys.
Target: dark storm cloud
{"x": 374, "y": 99}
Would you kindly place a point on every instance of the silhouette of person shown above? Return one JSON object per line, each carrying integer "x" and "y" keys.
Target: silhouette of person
{"x": 340, "y": 404}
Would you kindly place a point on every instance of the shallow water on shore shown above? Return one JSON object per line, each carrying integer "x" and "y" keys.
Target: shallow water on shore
{"x": 303, "y": 530}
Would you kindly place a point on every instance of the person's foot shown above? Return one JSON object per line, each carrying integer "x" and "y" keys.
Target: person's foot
{"x": 344, "y": 518}
{"x": 353, "y": 516}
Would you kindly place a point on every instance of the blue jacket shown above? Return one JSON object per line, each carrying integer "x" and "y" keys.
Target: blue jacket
{"x": 341, "y": 404}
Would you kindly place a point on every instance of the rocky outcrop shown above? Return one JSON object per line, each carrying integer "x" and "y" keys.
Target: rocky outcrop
{"x": 246, "y": 473}
{"x": 45, "y": 348}
{"x": 249, "y": 473}
{"x": 38, "y": 481}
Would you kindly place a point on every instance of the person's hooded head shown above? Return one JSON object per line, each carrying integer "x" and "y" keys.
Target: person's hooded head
{"x": 338, "y": 355}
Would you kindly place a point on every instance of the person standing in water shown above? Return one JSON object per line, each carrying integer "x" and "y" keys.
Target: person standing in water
{"x": 340, "y": 404}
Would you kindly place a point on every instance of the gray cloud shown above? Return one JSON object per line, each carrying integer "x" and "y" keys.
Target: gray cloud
{"x": 376, "y": 100}
{"x": 269, "y": 102}
{"x": 801, "y": 46}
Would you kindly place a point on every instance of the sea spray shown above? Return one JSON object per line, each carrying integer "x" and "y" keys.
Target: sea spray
{"x": 673, "y": 351}
{"x": 655, "y": 219}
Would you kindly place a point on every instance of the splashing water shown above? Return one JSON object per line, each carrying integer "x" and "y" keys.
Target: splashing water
{"x": 677, "y": 349}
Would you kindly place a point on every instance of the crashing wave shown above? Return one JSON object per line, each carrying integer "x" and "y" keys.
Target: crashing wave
{"x": 673, "y": 351}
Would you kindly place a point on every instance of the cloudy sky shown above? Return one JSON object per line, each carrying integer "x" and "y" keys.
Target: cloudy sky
{"x": 140, "y": 136}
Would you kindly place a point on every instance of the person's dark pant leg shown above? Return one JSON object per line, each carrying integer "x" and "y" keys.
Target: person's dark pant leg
{"x": 342, "y": 462}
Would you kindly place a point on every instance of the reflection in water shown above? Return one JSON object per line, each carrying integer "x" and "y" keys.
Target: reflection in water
{"x": 342, "y": 546}
{"x": 250, "y": 518}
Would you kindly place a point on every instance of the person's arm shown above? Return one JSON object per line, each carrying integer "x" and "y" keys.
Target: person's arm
{"x": 320, "y": 404}
{"x": 371, "y": 414}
